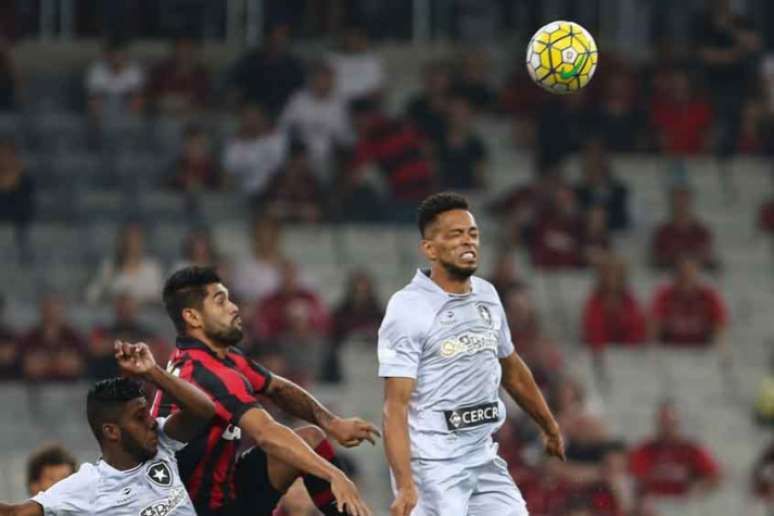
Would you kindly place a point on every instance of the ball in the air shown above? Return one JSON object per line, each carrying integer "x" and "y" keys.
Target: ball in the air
{"x": 561, "y": 57}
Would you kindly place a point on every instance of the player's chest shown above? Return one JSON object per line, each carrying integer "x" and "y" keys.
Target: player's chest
{"x": 463, "y": 333}
{"x": 154, "y": 490}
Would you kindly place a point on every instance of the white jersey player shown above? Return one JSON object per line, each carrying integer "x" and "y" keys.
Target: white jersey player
{"x": 444, "y": 351}
{"x": 137, "y": 474}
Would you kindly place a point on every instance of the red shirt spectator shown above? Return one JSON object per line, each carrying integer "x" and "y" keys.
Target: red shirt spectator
{"x": 53, "y": 351}
{"x": 612, "y": 314}
{"x": 556, "y": 239}
{"x": 179, "y": 84}
{"x": 688, "y": 312}
{"x": 682, "y": 235}
{"x": 670, "y": 464}
{"x": 196, "y": 166}
{"x": 766, "y": 217}
{"x": 681, "y": 120}
{"x": 270, "y": 320}
{"x": 763, "y": 475}
{"x": 294, "y": 193}
{"x": 9, "y": 349}
{"x": 399, "y": 150}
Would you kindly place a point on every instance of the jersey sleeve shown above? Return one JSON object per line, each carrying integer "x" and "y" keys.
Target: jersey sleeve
{"x": 228, "y": 389}
{"x": 258, "y": 376}
{"x": 70, "y": 496}
{"x": 401, "y": 337}
{"x": 165, "y": 441}
{"x": 505, "y": 345}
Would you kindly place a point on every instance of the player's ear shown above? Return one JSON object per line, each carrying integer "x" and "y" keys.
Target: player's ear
{"x": 111, "y": 432}
{"x": 192, "y": 317}
{"x": 428, "y": 249}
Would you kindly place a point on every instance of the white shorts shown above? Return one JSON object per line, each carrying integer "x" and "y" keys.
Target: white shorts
{"x": 457, "y": 488}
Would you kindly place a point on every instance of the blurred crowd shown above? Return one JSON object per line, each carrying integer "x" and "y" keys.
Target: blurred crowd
{"x": 316, "y": 144}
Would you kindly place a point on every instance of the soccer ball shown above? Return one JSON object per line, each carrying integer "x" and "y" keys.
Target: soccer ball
{"x": 561, "y": 57}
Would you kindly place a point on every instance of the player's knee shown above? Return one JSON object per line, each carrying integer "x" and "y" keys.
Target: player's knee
{"x": 311, "y": 434}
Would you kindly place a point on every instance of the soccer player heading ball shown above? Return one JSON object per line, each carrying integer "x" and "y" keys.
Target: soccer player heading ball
{"x": 444, "y": 351}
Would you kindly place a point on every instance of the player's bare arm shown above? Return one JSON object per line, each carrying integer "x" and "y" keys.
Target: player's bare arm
{"x": 23, "y": 509}
{"x": 397, "y": 393}
{"x": 298, "y": 402}
{"x": 284, "y": 444}
{"x": 521, "y": 386}
{"x": 196, "y": 409}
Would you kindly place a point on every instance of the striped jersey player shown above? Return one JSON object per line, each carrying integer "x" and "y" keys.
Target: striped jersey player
{"x": 444, "y": 351}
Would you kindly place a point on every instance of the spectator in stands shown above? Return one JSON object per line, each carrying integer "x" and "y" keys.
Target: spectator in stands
{"x": 294, "y": 193}
{"x": 618, "y": 118}
{"x": 671, "y": 464}
{"x": 473, "y": 80}
{"x": 114, "y": 83}
{"x": 358, "y": 315}
{"x": 399, "y": 151}
{"x": 600, "y": 187}
{"x": 199, "y": 249}
{"x": 586, "y": 433}
{"x": 505, "y": 274}
{"x": 728, "y": 47}
{"x": 556, "y": 241}
{"x": 571, "y": 114}
{"x": 179, "y": 85}
{"x": 318, "y": 116}
{"x": 48, "y": 465}
{"x": 763, "y": 475}
{"x": 258, "y": 275}
{"x": 681, "y": 119}
{"x": 766, "y": 217}
{"x": 275, "y": 61}
{"x": 130, "y": 270}
{"x": 427, "y": 109}
{"x": 461, "y": 154}
{"x": 196, "y": 167}
{"x": 684, "y": 234}
{"x": 300, "y": 342}
{"x": 595, "y": 237}
{"x": 9, "y": 78}
{"x": 612, "y": 314}
{"x": 257, "y": 151}
{"x": 359, "y": 72}
{"x": 53, "y": 350}
{"x": 689, "y": 312}
{"x": 9, "y": 348}
{"x": 752, "y": 135}
{"x": 271, "y": 315}
{"x": 17, "y": 196}
{"x": 126, "y": 327}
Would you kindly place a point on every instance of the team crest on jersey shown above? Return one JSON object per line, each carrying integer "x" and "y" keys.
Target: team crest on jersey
{"x": 485, "y": 314}
{"x": 160, "y": 474}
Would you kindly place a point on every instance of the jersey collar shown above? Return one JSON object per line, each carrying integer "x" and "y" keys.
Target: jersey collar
{"x": 422, "y": 280}
{"x": 186, "y": 343}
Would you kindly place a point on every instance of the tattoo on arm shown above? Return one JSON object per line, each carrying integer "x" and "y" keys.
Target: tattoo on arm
{"x": 298, "y": 402}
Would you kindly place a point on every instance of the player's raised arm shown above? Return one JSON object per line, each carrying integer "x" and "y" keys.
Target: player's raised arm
{"x": 298, "y": 402}
{"x": 196, "y": 409}
{"x": 23, "y": 509}
{"x": 521, "y": 386}
{"x": 397, "y": 393}
{"x": 281, "y": 442}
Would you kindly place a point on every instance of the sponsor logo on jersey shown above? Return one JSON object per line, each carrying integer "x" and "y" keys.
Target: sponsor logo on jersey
{"x": 468, "y": 417}
{"x": 446, "y": 317}
{"x": 167, "y": 505}
{"x": 469, "y": 343}
{"x": 160, "y": 474}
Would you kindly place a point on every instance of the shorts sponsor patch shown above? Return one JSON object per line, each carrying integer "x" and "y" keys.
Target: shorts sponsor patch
{"x": 468, "y": 417}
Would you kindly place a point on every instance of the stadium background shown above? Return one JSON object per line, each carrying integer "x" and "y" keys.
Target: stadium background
{"x": 86, "y": 155}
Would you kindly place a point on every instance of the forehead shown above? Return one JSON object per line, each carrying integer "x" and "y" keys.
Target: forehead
{"x": 135, "y": 405}
{"x": 214, "y": 289}
{"x": 455, "y": 219}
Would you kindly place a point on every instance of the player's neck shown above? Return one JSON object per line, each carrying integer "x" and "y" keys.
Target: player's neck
{"x": 119, "y": 459}
{"x": 450, "y": 283}
{"x": 214, "y": 346}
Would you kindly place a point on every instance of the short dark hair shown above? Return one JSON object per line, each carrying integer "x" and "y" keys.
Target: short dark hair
{"x": 106, "y": 400}
{"x": 48, "y": 455}
{"x": 436, "y": 204}
{"x": 187, "y": 288}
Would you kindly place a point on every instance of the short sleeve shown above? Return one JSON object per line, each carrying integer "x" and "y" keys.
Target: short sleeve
{"x": 165, "y": 441}
{"x": 70, "y": 496}
{"x": 258, "y": 376}
{"x": 505, "y": 345}
{"x": 232, "y": 393}
{"x": 400, "y": 340}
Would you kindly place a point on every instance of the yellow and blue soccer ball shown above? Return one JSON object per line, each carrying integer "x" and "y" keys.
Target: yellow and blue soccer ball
{"x": 561, "y": 57}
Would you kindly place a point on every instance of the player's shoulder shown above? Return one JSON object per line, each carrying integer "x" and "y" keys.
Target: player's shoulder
{"x": 410, "y": 300}
{"x": 485, "y": 289}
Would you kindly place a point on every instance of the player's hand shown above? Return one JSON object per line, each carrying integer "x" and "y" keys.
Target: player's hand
{"x": 405, "y": 501}
{"x": 135, "y": 359}
{"x": 347, "y": 496}
{"x": 554, "y": 445}
{"x": 352, "y": 431}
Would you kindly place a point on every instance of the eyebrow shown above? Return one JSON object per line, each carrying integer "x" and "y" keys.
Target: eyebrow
{"x": 219, "y": 293}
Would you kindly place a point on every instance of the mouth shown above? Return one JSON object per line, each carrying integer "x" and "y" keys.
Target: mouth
{"x": 468, "y": 255}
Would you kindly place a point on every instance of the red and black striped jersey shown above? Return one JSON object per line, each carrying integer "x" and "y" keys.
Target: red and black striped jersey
{"x": 232, "y": 382}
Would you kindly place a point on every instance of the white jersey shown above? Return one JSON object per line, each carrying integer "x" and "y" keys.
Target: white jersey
{"x": 451, "y": 345}
{"x": 153, "y": 488}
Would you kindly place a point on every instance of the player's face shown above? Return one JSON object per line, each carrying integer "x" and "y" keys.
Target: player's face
{"x": 453, "y": 242}
{"x": 221, "y": 319}
{"x": 139, "y": 430}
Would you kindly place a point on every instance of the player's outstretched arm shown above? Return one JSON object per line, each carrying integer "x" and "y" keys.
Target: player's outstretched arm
{"x": 397, "y": 447}
{"x": 23, "y": 509}
{"x": 196, "y": 409}
{"x": 521, "y": 386}
{"x": 295, "y": 400}
{"x": 285, "y": 445}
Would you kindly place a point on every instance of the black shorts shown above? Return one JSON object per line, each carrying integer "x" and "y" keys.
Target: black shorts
{"x": 255, "y": 495}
